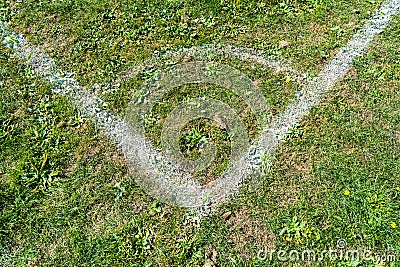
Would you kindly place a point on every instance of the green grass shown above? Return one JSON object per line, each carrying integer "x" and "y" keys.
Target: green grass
{"x": 68, "y": 199}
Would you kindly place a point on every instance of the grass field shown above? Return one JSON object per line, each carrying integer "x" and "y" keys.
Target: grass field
{"x": 67, "y": 197}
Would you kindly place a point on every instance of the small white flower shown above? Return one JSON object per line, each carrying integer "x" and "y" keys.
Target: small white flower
{"x": 10, "y": 41}
{"x": 6, "y": 40}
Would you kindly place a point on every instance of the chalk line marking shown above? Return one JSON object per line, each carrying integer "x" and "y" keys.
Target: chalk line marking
{"x": 209, "y": 51}
{"x": 157, "y": 173}
{"x": 137, "y": 149}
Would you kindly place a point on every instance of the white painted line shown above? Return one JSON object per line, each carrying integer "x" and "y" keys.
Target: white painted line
{"x": 157, "y": 174}
{"x": 114, "y": 127}
{"x": 311, "y": 95}
{"x": 336, "y": 69}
